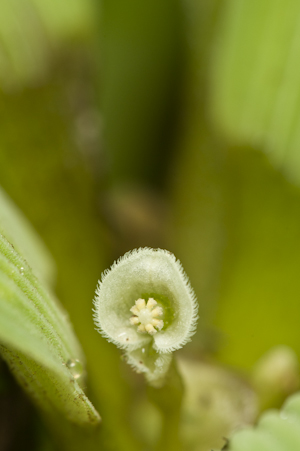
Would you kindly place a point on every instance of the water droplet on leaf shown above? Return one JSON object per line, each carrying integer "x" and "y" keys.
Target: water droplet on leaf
{"x": 75, "y": 367}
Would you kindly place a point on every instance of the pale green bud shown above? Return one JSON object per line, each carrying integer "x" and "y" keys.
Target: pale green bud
{"x": 216, "y": 402}
{"x": 276, "y": 375}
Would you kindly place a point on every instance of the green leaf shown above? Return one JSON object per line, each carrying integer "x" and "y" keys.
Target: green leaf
{"x": 256, "y": 70}
{"x": 259, "y": 289}
{"x": 38, "y": 343}
{"x": 15, "y": 226}
{"x": 197, "y": 223}
{"x": 276, "y": 431}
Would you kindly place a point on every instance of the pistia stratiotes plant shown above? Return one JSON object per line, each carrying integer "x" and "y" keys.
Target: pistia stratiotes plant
{"x": 145, "y": 305}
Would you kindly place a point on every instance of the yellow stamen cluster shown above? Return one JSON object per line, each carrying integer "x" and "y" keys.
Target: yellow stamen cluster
{"x": 146, "y": 316}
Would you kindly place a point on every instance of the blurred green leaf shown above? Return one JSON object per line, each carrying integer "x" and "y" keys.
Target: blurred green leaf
{"x": 19, "y": 231}
{"x": 255, "y": 73}
{"x": 197, "y": 231}
{"x": 38, "y": 342}
{"x": 276, "y": 431}
{"x": 259, "y": 293}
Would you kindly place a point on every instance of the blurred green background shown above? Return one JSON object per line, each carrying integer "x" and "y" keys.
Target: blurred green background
{"x": 172, "y": 124}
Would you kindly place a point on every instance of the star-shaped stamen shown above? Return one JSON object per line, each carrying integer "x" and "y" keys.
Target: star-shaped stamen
{"x": 146, "y": 316}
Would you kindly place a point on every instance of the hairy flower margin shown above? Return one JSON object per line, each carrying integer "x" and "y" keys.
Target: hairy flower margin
{"x": 145, "y": 305}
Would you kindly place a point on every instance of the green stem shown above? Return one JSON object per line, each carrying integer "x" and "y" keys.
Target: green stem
{"x": 169, "y": 399}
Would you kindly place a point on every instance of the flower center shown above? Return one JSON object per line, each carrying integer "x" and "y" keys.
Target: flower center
{"x": 145, "y": 316}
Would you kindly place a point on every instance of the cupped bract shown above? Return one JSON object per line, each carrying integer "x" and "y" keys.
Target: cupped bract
{"x": 146, "y": 274}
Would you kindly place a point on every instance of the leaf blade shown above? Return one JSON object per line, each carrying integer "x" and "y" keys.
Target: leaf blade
{"x": 37, "y": 341}
{"x": 255, "y": 71}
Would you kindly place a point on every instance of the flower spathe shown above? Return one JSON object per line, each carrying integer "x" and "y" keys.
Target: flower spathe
{"x": 145, "y": 301}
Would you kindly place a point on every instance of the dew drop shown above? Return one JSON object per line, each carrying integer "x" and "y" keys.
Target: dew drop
{"x": 21, "y": 270}
{"x": 75, "y": 367}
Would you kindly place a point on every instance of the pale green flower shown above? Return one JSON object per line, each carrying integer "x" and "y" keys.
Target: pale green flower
{"x": 145, "y": 305}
